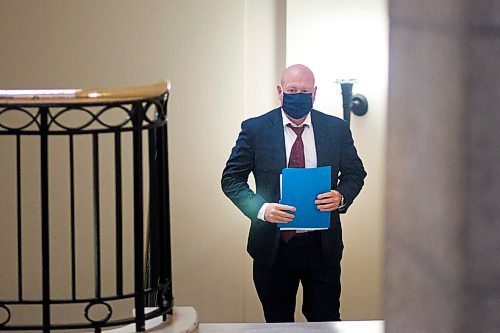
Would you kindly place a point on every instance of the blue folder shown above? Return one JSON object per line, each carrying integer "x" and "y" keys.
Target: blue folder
{"x": 299, "y": 188}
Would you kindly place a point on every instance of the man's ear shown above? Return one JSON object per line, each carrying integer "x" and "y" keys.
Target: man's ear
{"x": 314, "y": 93}
{"x": 280, "y": 93}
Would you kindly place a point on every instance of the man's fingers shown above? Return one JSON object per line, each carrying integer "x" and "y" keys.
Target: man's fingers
{"x": 326, "y": 201}
{"x": 282, "y": 213}
{"x": 286, "y": 207}
{"x": 327, "y": 208}
{"x": 282, "y": 220}
{"x": 280, "y": 216}
{"x": 277, "y": 213}
{"x": 326, "y": 195}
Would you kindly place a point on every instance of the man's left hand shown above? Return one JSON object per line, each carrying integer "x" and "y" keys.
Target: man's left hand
{"x": 329, "y": 201}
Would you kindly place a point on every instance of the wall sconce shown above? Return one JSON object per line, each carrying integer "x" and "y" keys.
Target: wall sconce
{"x": 358, "y": 103}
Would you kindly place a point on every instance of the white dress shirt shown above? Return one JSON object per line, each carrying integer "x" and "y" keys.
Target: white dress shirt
{"x": 309, "y": 147}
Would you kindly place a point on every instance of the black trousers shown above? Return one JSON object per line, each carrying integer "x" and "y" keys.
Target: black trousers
{"x": 300, "y": 260}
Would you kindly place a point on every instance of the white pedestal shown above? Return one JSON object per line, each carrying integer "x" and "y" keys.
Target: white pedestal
{"x": 374, "y": 326}
{"x": 183, "y": 320}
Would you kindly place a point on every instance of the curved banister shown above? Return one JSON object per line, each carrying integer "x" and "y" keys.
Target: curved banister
{"x": 82, "y": 136}
{"x": 81, "y": 96}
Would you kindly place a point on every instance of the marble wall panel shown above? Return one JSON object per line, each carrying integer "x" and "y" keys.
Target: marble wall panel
{"x": 483, "y": 222}
{"x": 443, "y": 207}
{"x": 443, "y": 13}
{"x": 485, "y": 12}
{"x": 425, "y": 176}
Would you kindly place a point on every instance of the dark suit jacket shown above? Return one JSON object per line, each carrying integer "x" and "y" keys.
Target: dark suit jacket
{"x": 260, "y": 148}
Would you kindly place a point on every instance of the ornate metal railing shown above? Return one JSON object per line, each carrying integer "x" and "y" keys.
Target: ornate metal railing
{"x": 85, "y": 213}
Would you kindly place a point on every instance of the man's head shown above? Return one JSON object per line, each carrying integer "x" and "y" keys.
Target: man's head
{"x": 296, "y": 79}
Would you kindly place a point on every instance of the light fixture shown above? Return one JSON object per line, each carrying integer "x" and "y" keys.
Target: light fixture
{"x": 357, "y": 104}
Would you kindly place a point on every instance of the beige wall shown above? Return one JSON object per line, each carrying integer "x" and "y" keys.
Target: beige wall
{"x": 223, "y": 58}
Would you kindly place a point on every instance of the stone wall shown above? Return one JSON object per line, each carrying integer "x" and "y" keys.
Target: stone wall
{"x": 443, "y": 167}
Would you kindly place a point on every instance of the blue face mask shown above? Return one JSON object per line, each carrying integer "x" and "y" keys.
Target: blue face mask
{"x": 297, "y": 105}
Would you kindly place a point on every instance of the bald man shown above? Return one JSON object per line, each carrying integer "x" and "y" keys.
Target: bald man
{"x": 294, "y": 135}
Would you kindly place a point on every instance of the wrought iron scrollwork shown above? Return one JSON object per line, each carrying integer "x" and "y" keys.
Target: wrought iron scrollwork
{"x": 4, "y": 319}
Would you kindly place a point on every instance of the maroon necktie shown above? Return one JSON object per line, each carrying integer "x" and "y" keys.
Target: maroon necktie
{"x": 297, "y": 160}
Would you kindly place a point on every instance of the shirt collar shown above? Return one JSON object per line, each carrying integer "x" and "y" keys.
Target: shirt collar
{"x": 287, "y": 121}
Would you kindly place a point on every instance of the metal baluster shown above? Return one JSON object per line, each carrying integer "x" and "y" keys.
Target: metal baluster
{"x": 72, "y": 214}
{"x": 165, "y": 242}
{"x": 19, "y": 220}
{"x": 118, "y": 213}
{"x": 153, "y": 231}
{"x": 137, "y": 118}
{"x": 44, "y": 180}
{"x": 97, "y": 214}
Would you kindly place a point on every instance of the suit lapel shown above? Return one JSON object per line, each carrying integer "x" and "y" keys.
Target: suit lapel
{"x": 322, "y": 138}
{"x": 277, "y": 139}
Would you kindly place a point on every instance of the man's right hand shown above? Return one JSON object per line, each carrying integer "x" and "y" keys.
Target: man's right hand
{"x": 277, "y": 213}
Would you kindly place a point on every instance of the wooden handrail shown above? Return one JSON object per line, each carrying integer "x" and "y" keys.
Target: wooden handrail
{"x": 82, "y": 96}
